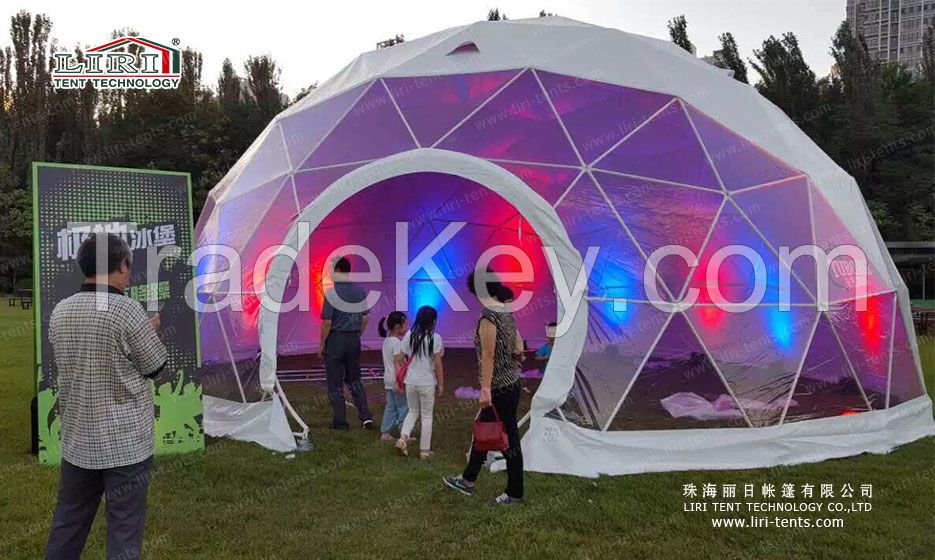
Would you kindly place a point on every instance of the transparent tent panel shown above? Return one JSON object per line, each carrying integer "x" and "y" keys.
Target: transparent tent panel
{"x": 791, "y": 229}
{"x": 664, "y": 148}
{"x": 548, "y": 182}
{"x": 844, "y": 282}
{"x": 373, "y": 117}
{"x": 735, "y": 278}
{"x": 866, "y": 335}
{"x": 304, "y": 130}
{"x": 905, "y": 383}
{"x": 589, "y": 221}
{"x": 598, "y": 115}
{"x": 758, "y": 352}
{"x": 618, "y": 342}
{"x": 433, "y": 105}
{"x": 647, "y": 209}
{"x": 518, "y": 124}
{"x": 826, "y": 386}
{"x": 677, "y": 372}
{"x": 739, "y": 162}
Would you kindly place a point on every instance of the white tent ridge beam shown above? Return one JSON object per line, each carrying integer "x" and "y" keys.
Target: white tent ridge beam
{"x": 558, "y": 117}
{"x": 655, "y": 180}
{"x": 399, "y": 111}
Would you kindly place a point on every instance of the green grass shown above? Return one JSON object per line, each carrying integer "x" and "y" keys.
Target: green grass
{"x": 352, "y": 498}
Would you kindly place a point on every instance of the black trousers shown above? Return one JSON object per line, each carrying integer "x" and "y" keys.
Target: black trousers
{"x": 342, "y": 367}
{"x": 506, "y": 401}
{"x": 79, "y": 495}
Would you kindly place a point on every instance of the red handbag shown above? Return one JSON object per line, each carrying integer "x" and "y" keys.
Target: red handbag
{"x": 401, "y": 375}
{"x": 490, "y": 435}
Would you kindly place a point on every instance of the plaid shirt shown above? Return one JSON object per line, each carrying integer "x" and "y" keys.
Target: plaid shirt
{"x": 106, "y": 360}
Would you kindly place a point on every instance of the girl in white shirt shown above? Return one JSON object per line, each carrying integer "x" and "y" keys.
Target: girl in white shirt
{"x": 391, "y": 328}
{"x": 422, "y": 348}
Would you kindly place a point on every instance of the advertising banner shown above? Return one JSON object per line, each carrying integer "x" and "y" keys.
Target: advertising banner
{"x": 147, "y": 208}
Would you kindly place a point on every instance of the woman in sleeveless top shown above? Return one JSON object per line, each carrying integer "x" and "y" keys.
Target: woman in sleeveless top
{"x": 499, "y": 347}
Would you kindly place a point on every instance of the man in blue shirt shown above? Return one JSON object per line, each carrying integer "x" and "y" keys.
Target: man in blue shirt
{"x": 343, "y": 318}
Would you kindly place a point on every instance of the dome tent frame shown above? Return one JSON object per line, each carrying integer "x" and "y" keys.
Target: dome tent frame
{"x": 555, "y": 445}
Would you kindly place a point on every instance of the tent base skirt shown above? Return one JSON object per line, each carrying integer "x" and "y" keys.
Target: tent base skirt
{"x": 264, "y": 422}
{"x": 556, "y": 446}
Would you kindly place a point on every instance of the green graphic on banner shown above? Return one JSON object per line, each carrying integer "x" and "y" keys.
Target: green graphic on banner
{"x": 149, "y": 209}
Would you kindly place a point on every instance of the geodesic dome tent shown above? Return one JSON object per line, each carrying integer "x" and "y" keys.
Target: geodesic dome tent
{"x": 554, "y": 133}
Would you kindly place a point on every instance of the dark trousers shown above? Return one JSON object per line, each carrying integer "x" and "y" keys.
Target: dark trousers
{"x": 79, "y": 495}
{"x": 506, "y": 401}
{"x": 342, "y": 367}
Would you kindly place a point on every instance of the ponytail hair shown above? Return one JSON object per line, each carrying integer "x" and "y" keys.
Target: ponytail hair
{"x": 390, "y": 322}
{"x": 423, "y": 329}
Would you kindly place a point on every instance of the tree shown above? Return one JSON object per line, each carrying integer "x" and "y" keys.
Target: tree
{"x": 31, "y": 87}
{"x": 928, "y": 55}
{"x": 263, "y": 85}
{"x": 678, "y": 31}
{"x": 543, "y": 13}
{"x": 787, "y": 80}
{"x": 495, "y": 15}
{"x": 729, "y": 57}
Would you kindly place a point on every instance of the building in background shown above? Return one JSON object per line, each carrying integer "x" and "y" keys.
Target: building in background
{"x": 893, "y": 29}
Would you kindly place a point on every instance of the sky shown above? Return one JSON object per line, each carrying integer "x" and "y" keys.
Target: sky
{"x": 312, "y": 40}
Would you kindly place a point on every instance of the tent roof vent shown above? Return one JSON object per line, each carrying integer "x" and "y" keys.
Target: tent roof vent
{"x": 466, "y": 47}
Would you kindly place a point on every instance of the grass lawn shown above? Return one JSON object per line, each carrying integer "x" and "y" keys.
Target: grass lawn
{"x": 353, "y": 498}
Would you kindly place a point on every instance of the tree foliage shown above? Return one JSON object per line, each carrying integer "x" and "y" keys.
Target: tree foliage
{"x": 678, "y": 31}
{"x": 728, "y": 57}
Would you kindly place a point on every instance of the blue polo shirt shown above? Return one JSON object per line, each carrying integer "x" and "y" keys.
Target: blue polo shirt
{"x": 346, "y": 320}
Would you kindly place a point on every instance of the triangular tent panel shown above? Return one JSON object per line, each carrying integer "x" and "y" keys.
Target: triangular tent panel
{"x": 664, "y": 148}
{"x": 647, "y": 210}
{"x": 905, "y": 383}
{"x": 758, "y": 352}
{"x": 739, "y": 162}
{"x": 618, "y": 270}
{"x": 518, "y": 124}
{"x": 305, "y": 130}
{"x": 433, "y": 105}
{"x": 599, "y": 115}
{"x": 783, "y": 229}
{"x": 677, "y": 371}
{"x": 826, "y": 386}
{"x": 618, "y": 341}
{"x": 373, "y": 117}
{"x": 866, "y": 336}
{"x": 736, "y": 276}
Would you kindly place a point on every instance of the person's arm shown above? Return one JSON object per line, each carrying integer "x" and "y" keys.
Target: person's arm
{"x": 327, "y": 314}
{"x": 325, "y": 331}
{"x": 488, "y": 343}
{"x": 363, "y": 323}
{"x": 144, "y": 349}
{"x": 439, "y": 369}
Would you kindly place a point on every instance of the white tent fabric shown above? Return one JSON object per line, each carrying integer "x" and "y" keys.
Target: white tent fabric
{"x": 268, "y": 177}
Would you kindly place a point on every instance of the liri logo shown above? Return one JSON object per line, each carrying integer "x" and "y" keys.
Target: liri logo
{"x": 124, "y": 63}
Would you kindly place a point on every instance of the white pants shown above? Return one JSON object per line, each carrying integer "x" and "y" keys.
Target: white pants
{"x": 421, "y": 400}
